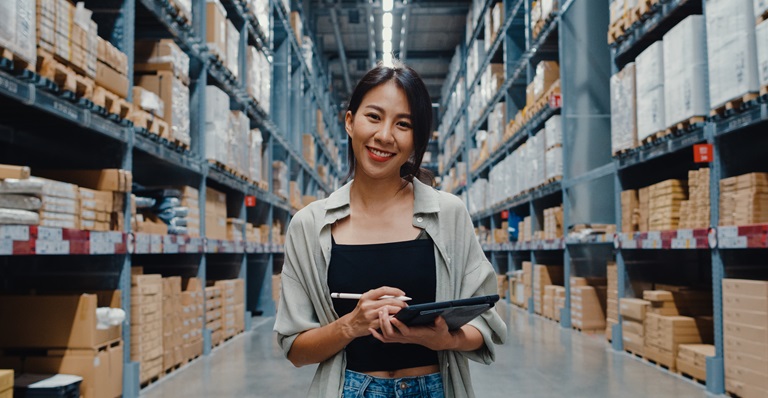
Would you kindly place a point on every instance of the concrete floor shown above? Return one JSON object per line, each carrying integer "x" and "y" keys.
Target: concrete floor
{"x": 540, "y": 359}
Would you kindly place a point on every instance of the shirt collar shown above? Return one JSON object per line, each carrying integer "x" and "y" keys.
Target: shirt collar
{"x": 425, "y": 198}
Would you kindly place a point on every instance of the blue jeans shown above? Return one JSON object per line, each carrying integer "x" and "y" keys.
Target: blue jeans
{"x": 359, "y": 385}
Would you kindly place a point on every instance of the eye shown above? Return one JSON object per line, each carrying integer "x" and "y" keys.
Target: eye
{"x": 373, "y": 116}
{"x": 404, "y": 124}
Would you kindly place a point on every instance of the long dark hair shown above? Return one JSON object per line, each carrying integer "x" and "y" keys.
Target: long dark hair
{"x": 421, "y": 114}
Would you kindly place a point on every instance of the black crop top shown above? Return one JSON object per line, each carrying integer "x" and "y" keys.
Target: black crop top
{"x": 409, "y": 266}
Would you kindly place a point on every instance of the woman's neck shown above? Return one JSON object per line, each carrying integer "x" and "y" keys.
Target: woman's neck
{"x": 375, "y": 194}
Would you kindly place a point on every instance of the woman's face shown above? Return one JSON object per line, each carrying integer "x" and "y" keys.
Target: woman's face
{"x": 381, "y": 132}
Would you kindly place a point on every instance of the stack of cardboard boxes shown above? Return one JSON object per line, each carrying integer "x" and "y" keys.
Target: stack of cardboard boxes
{"x": 692, "y": 359}
{"x": 19, "y": 36}
{"x": 694, "y": 212}
{"x": 294, "y": 195}
{"x": 190, "y": 198}
{"x": 663, "y": 335}
{"x": 502, "y": 285}
{"x": 588, "y": 298}
{"x": 96, "y": 209}
{"x": 527, "y": 282}
{"x": 553, "y": 222}
{"x": 59, "y": 204}
{"x": 163, "y": 69}
{"x": 280, "y": 179}
{"x": 61, "y": 334}
{"x": 745, "y": 334}
{"x": 623, "y": 109}
{"x": 524, "y": 233}
{"x": 744, "y": 199}
{"x": 173, "y": 324}
{"x": 548, "y": 301}
{"x": 69, "y": 34}
{"x": 192, "y": 301}
{"x": 633, "y": 314}
{"x": 664, "y": 204}
{"x": 629, "y": 211}
{"x": 544, "y": 275}
{"x": 213, "y": 313}
{"x": 147, "y": 324}
{"x": 6, "y": 383}
{"x": 111, "y": 69}
{"x": 235, "y": 228}
{"x": 559, "y": 301}
{"x": 612, "y": 302}
{"x": 215, "y": 214}
{"x": 643, "y": 208}
{"x": 309, "y": 149}
{"x": 232, "y": 306}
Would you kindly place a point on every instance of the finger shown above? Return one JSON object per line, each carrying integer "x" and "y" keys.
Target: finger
{"x": 376, "y": 335}
{"x": 401, "y": 327}
{"x": 386, "y": 326}
{"x": 383, "y": 291}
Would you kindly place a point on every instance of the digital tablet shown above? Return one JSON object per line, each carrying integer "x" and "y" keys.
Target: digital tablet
{"x": 455, "y": 312}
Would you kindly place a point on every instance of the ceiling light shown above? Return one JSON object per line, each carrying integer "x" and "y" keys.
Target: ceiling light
{"x": 386, "y": 20}
{"x": 386, "y": 59}
{"x": 387, "y": 5}
{"x": 386, "y": 34}
{"x": 386, "y": 46}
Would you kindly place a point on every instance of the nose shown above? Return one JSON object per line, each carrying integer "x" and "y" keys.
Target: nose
{"x": 384, "y": 135}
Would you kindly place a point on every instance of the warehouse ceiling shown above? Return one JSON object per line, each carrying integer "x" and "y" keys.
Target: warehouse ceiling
{"x": 432, "y": 31}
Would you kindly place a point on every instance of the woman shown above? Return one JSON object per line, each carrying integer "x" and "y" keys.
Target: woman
{"x": 385, "y": 233}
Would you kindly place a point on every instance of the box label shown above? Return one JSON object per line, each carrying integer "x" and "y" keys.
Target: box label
{"x": 14, "y": 232}
{"x": 6, "y": 247}
{"x": 736, "y": 242}
{"x": 44, "y": 247}
{"x": 52, "y": 234}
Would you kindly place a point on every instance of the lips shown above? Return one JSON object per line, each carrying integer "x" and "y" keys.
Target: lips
{"x": 379, "y": 155}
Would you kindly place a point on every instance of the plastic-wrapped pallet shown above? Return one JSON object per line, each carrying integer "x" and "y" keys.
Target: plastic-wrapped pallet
{"x": 255, "y": 157}
{"x": 19, "y": 36}
{"x": 237, "y": 152}
{"x": 539, "y": 147}
{"x": 547, "y": 73}
{"x": 216, "y": 28}
{"x": 554, "y": 160}
{"x": 233, "y": 46}
{"x": 280, "y": 178}
{"x": 761, "y": 32}
{"x": 164, "y": 54}
{"x": 623, "y": 109}
{"x": 260, "y": 10}
{"x": 553, "y": 130}
{"x": 477, "y": 196}
{"x": 216, "y": 113}
{"x": 650, "y": 91}
{"x": 732, "y": 58}
{"x": 686, "y": 90}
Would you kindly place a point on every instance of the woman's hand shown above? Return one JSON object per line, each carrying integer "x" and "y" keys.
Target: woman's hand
{"x": 436, "y": 337}
{"x": 365, "y": 317}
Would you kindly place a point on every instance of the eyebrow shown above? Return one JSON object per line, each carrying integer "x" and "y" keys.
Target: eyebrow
{"x": 380, "y": 109}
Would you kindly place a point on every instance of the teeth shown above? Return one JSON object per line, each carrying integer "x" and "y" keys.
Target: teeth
{"x": 381, "y": 154}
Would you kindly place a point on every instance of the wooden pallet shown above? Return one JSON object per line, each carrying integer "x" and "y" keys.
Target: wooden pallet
{"x": 685, "y": 125}
{"x": 111, "y": 102}
{"x": 734, "y": 104}
{"x": 147, "y": 121}
{"x": 655, "y": 137}
{"x": 552, "y": 180}
{"x": 152, "y": 380}
{"x": 590, "y": 331}
{"x": 180, "y": 13}
{"x": 616, "y": 30}
{"x": 172, "y": 369}
{"x": 183, "y": 145}
{"x": 661, "y": 364}
{"x": 537, "y": 29}
{"x": 632, "y": 353}
{"x": 53, "y": 70}
{"x": 691, "y": 377}
{"x": 764, "y": 91}
{"x": 18, "y": 63}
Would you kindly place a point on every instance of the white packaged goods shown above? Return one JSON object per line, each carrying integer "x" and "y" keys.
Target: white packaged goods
{"x": 623, "y": 109}
{"x": 20, "y": 202}
{"x": 477, "y": 196}
{"x": 180, "y": 112}
{"x": 732, "y": 58}
{"x": 554, "y": 159}
{"x": 18, "y": 36}
{"x": 761, "y": 7}
{"x": 255, "y": 157}
{"x": 233, "y": 45}
{"x": 553, "y": 132}
{"x": 650, "y": 91}
{"x": 260, "y": 10}
{"x": 686, "y": 92}
{"x": 538, "y": 147}
{"x": 547, "y": 6}
{"x": 761, "y": 32}
{"x": 216, "y": 113}
{"x": 237, "y": 135}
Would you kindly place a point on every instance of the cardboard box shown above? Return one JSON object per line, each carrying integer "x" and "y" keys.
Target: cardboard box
{"x": 744, "y": 287}
{"x": 633, "y": 308}
{"x": 164, "y": 54}
{"x": 216, "y": 28}
{"x": 111, "y": 80}
{"x": 6, "y": 379}
{"x": 56, "y": 321}
{"x": 113, "y": 180}
{"x": 101, "y": 369}
{"x": 10, "y": 171}
{"x": 744, "y": 390}
{"x": 175, "y": 97}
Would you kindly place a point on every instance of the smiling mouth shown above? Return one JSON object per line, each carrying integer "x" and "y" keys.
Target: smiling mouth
{"x": 379, "y": 153}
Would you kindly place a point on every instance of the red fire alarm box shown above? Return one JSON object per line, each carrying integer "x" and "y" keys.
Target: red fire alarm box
{"x": 250, "y": 201}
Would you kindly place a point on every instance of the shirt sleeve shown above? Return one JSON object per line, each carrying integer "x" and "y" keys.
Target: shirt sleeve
{"x": 480, "y": 280}
{"x": 295, "y": 311}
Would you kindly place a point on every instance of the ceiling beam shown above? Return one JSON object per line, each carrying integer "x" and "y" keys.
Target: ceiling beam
{"x": 413, "y": 55}
{"x": 342, "y": 53}
{"x": 404, "y": 30}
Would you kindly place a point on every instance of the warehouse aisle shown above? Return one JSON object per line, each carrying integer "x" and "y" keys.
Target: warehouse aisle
{"x": 539, "y": 360}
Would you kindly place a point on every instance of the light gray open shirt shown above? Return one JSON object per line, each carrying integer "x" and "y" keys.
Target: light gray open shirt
{"x": 462, "y": 271}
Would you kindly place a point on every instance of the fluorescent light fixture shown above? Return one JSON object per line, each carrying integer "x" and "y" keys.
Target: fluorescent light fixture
{"x": 387, "y": 5}
{"x": 386, "y": 46}
{"x": 386, "y": 34}
{"x": 386, "y": 59}
{"x": 386, "y": 20}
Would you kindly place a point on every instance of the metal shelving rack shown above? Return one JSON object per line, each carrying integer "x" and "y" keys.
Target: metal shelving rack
{"x": 572, "y": 37}
{"x": 68, "y": 134}
{"x": 593, "y": 180}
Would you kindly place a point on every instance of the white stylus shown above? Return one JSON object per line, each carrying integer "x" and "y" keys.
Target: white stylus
{"x": 357, "y": 296}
